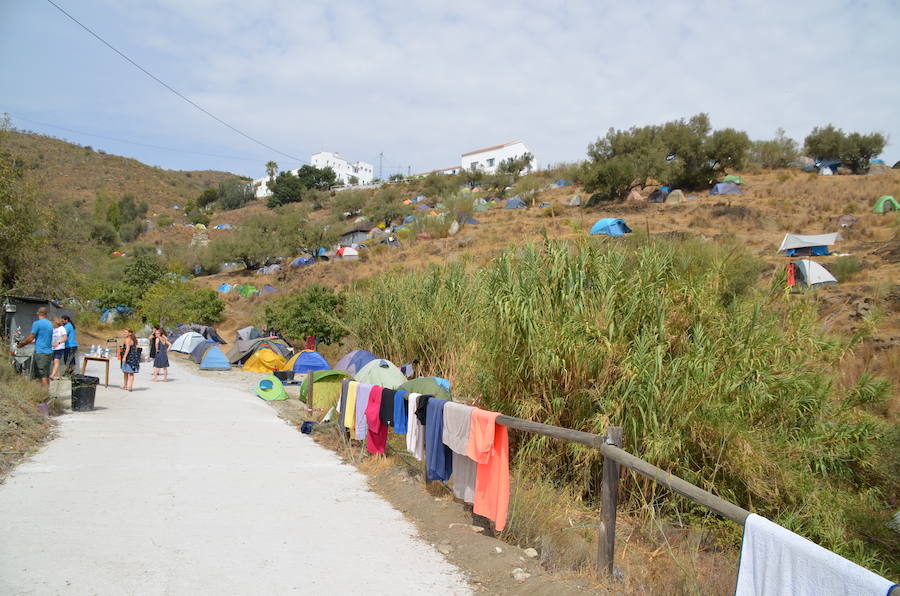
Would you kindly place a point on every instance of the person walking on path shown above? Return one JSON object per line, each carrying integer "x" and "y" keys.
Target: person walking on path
{"x": 153, "y": 340}
{"x": 59, "y": 347}
{"x": 131, "y": 359}
{"x": 42, "y": 336}
{"x": 161, "y": 345}
{"x": 71, "y": 355}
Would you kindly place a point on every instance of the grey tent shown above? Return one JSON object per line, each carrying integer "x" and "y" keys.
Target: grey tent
{"x": 812, "y": 275}
{"x": 243, "y": 349}
{"x": 575, "y": 201}
{"x": 847, "y": 220}
{"x": 250, "y": 332}
{"x": 207, "y": 332}
{"x": 676, "y": 196}
{"x": 814, "y": 244}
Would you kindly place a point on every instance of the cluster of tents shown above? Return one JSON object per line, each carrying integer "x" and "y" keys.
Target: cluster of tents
{"x": 247, "y": 290}
{"x": 806, "y": 272}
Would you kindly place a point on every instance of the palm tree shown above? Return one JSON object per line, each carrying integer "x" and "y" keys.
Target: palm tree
{"x": 271, "y": 169}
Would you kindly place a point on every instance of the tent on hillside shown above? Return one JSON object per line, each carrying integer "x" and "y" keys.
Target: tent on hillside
{"x": 207, "y": 332}
{"x": 210, "y": 357}
{"x": 825, "y": 171}
{"x": 302, "y": 261}
{"x": 225, "y": 288}
{"x": 186, "y": 342}
{"x": 326, "y": 388}
{"x": 897, "y": 166}
{"x": 428, "y": 386}
{"x": 199, "y": 350}
{"x": 244, "y": 349}
{"x": 270, "y": 388}
{"x": 885, "y": 204}
{"x": 306, "y": 361}
{"x": 610, "y": 226}
{"x": 347, "y": 253}
{"x": 381, "y": 372}
{"x": 248, "y": 290}
{"x": 812, "y": 275}
{"x": 817, "y": 245}
{"x": 269, "y": 270}
{"x": 353, "y": 361}
{"x": 847, "y": 220}
{"x": 223, "y": 227}
{"x": 515, "y": 203}
{"x": 733, "y": 178}
{"x": 725, "y": 188}
{"x": 634, "y": 195}
{"x": 245, "y": 333}
{"x": 264, "y": 361}
{"x": 675, "y": 197}
{"x": 575, "y": 201}
{"x": 267, "y": 289}
{"x": 659, "y": 195}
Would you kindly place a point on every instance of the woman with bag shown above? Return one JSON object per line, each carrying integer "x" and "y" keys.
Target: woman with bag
{"x": 161, "y": 345}
{"x": 131, "y": 359}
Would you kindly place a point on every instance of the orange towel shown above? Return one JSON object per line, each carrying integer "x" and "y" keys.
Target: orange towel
{"x": 489, "y": 447}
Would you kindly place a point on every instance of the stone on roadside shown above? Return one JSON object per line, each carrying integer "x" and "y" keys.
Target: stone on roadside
{"x": 531, "y": 553}
{"x": 520, "y": 574}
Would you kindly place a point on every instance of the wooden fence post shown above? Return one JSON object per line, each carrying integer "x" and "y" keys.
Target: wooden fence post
{"x": 609, "y": 493}
{"x": 309, "y": 393}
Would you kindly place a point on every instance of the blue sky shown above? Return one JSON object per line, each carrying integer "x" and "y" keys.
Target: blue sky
{"x": 423, "y": 82}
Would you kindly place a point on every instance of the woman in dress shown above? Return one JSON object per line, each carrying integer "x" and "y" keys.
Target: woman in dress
{"x": 59, "y": 346}
{"x": 131, "y": 359}
{"x": 161, "y": 345}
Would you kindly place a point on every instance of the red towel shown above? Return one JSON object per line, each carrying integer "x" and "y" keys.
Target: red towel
{"x": 489, "y": 447}
{"x": 791, "y": 280}
{"x": 376, "y": 438}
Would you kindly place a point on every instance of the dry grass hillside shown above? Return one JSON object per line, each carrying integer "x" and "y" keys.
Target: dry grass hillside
{"x": 69, "y": 172}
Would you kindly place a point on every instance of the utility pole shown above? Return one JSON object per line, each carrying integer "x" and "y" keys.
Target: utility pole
{"x": 408, "y": 171}
{"x": 381, "y": 166}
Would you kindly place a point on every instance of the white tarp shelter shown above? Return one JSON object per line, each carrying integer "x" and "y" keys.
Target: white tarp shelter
{"x": 795, "y": 241}
{"x": 813, "y": 275}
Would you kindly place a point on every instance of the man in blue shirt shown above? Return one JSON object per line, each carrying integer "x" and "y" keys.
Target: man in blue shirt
{"x": 71, "y": 343}
{"x": 42, "y": 336}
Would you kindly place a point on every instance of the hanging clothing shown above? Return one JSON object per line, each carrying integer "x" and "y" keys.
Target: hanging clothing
{"x": 386, "y": 413}
{"x": 489, "y": 447}
{"x": 464, "y": 477}
{"x": 791, "y": 280}
{"x": 350, "y": 413}
{"x": 400, "y": 414}
{"x": 415, "y": 431}
{"x": 376, "y": 435}
{"x": 438, "y": 457}
{"x": 774, "y": 560}
{"x": 422, "y": 408}
{"x": 362, "y": 401}
{"x": 342, "y": 400}
{"x": 457, "y": 420}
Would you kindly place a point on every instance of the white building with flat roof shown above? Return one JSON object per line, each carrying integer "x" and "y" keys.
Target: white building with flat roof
{"x": 362, "y": 172}
{"x": 487, "y": 159}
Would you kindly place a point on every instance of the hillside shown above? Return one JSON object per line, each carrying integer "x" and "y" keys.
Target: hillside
{"x": 69, "y": 172}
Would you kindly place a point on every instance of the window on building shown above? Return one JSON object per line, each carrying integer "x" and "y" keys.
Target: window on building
{"x": 490, "y": 162}
{"x": 473, "y": 166}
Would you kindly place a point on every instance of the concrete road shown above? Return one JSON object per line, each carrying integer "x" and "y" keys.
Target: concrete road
{"x": 195, "y": 487}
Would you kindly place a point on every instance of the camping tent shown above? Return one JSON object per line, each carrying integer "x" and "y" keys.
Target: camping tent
{"x": 248, "y": 290}
{"x": 847, "y": 220}
{"x": 210, "y": 357}
{"x": 575, "y": 201}
{"x": 675, "y": 197}
{"x": 207, "y": 332}
{"x": 264, "y": 360}
{"x": 267, "y": 289}
{"x": 885, "y": 203}
{"x": 187, "y": 342}
{"x": 825, "y": 171}
{"x": 302, "y": 261}
{"x": 813, "y": 275}
{"x": 326, "y": 387}
{"x": 347, "y": 252}
{"x": 428, "y": 386}
{"x": 246, "y": 333}
{"x": 733, "y": 178}
{"x": 610, "y": 226}
{"x": 353, "y": 361}
{"x": 306, "y": 361}
{"x": 515, "y": 203}
{"x": 381, "y": 372}
{"x": 270, "y": 388}
{"x": 795, "y": 244}
{"x": 199, "y": 350}
{"x": 244, "y": 349}
{"x": 634, "y": 195}
{"x": 225, "y": 288}
{"x": 725, "y": 188}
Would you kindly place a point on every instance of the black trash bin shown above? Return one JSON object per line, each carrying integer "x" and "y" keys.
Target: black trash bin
{"x": 84, "y": 389}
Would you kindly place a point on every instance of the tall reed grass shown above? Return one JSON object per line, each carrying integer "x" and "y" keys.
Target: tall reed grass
{"x": 714, "y": 377}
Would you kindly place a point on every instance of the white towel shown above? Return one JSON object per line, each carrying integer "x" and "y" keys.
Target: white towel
{"x": 775, "y": 561}
{"x": 415, "y": 432}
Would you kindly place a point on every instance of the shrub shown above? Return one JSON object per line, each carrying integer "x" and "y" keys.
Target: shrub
{"x": 164, "y": 220}
{"x": 845, "y": 268}
{"x": 776, "y": 153}
{"x": 172, "y": 301}
{"x": 315, "y": 311}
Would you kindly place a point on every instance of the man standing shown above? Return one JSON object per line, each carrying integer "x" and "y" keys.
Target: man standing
{"x": 71, "y": 357}
{"x": 42, "y": 336}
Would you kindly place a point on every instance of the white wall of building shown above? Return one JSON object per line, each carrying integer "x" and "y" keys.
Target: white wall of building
{"x": 488, "y": 158}
{"x": 362, "y": 171}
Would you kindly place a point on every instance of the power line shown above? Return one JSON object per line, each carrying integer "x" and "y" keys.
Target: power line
{"x": 90, "y": 134}
{"x": 169, "y": 87}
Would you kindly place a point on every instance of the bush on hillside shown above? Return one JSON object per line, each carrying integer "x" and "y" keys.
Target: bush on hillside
{"x": 778, "y": 152}
{"x": 259, "y": 239}
{"x": 234, "y": 194}
{"x": 171, "y": 301}
{"x": 713, "y": 378}
{"x": 854, "y": 150}
{"x": 139, "y": 274}
{"x": 316, "y": 310}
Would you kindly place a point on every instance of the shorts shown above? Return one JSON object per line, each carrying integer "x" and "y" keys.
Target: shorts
{"x": 42, "y": 365}
{"x": 59, "y": 354}
{"x": 127, "y": 368}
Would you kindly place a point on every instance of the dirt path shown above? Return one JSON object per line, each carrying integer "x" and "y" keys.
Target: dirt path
{"x": 194, "y": 487}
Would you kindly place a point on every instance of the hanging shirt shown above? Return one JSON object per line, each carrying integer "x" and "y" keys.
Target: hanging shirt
{"x": 438, "y": 457}
{"x": 774, "y": 560}
{"x": 400, "y": 414}
{"x": 362, "y": 401}
{"x": 422, "y": 408}
{"x": 464, "y": 477}
{"x": 342, "y": 400}
{"x": 350, "y": 412}
{"x": 791, "y": 281}
{"x": 489, "y": 447}
{"x": 376, "y": 435}
{"x": 386, "y": 413}
{"x": 457, "y": 418}
{"x": 415, "y": 432}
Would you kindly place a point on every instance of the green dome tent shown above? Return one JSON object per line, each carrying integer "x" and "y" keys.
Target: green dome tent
{"x": 426, "y": 386}
{"x": 733, "y": 178}
{"x": 270, "y": 388}
{"x": 326, "y": 388}
{"x": 885, "y": 204}
{"x": 381, "y": 372}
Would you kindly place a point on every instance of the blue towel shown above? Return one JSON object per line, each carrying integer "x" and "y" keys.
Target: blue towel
{"x": 401, "y": 413}
{"x": 438, "y": 457}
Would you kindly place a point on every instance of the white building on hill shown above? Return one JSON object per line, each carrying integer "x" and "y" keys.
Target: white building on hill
{"x": 488, "y": 158}
{"x": 363, "y": 172}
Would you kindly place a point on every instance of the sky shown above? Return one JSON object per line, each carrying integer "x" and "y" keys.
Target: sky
{"x": 423, "y": 82}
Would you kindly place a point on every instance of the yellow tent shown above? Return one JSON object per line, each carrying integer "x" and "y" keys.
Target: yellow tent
{"x": 264, "y": 361}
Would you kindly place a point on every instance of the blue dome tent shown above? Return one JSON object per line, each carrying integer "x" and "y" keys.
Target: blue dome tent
{"x": 307, "y": 361}
{"x": 725, "y": 188}
{"x": 610, "y": 226}
{"x": 515, "y": 203}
